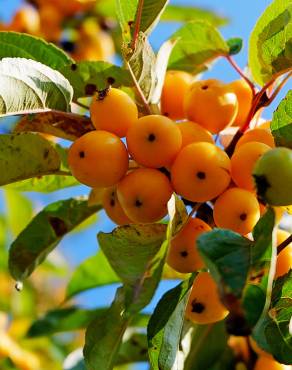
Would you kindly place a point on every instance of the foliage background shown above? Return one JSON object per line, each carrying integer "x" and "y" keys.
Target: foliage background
{"x": 78, "y": 246}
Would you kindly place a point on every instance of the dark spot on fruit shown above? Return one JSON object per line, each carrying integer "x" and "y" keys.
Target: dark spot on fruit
{"x": 138, "y": 203}
{"x": 262, "y": 185}
{"x": 46, "y": 153}
{"x": 74, "y": 67}
{"x": 58, "y": 225}
{"x": 111, "y": 80}
{"x": 151, "y": 137}
{"x": 81, "y": 154}
{"x": 184, "y": 253}
{"x": 112, "y": 202}
{"x": 243, "y": 216}
{"x": 201, "y": 175}
{"x": 102, "y": 94}
{"x": 90, "y": 89}
{"x": 197, "y": 307}
{"x": 204, "y": 87}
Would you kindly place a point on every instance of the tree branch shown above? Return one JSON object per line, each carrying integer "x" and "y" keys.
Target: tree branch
{"x": 137, "y": 24}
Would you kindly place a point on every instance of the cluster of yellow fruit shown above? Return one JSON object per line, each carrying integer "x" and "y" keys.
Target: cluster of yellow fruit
{"x": 46, "y": 19}
{"x": 176, "y": 152}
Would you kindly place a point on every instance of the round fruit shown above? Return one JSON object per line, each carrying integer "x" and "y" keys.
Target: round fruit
{"x": 211, "y": 104}
{"x": 237, "y": 209}
{"x": 204, "y": 305}
{"x": 51, "y": 22}
{"x": 154, "y": 141}
{"x": 243, "y": 161}
{"x": 266, "y": 363}
{"x": 113, "y": 208}
{"x": 257, "y": 349}
{"x": 113, "y": 111}
{"x": 183, "y": 255}
{"x": 191, "y": 132}
{"x": 98, "y": 159}
{"x": 200, "y": 172}
{"x": 143, "y": 195}
{"x": 26, "y": 19}
{"x": 282, "y": 235}
{"x": 273, "y": 176}
{"x": 175, "y": 86}
{"x": 244, "y": 96}
{"x": 257, "y": 134}
{"x": 284, "y": 261}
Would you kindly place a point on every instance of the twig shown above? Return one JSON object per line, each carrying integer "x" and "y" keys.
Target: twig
{"x": 284, "y": 244}
{"x": 137, "y": 24}
{"x": 239, "y": 71}
{"x": 278, "y": 89}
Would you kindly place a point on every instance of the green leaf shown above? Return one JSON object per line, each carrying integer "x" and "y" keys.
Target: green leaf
{"x": 28, "y": 86}
{"x": 136, "y": 254}
{"x": 181, "y": 13}
{"x": 253, "y": 303}
{"x": 92, "y": 273}
{"x": 270, "y": 42}
{"x": 44, "y": 233}
{"x": 104, "y": 335}
{"x": 273, "y": 334}
{"x": 208, "y": 344}
{"x": 18, "y": 211}
{"x": 281, "y": 124}
{"x": 87, "y": 77}
{"x": 134, "y": 349}
{"x": 142, "y": 64}
{"x": 26, "y": 155}
{"x": 127, "y": 13}
{"x": 198, "y": 44}
{"x": 21, "y": 45}
{"x": 227, "y": 256}
{"x": 235, "y": 45}
{"x": 62, "y": 320}
{"x": 165, "y": 326}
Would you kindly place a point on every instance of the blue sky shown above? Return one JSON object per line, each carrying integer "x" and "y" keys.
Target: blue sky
{"x": 243, "y": 15}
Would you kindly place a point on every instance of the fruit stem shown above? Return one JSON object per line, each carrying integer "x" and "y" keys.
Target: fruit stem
{"x": 138, "y": 88}
{"x": 137, "y": 24}
{"x": 277, "y": 90}
{"x": 240, "y": 72}
{"x": 284, "y": 244}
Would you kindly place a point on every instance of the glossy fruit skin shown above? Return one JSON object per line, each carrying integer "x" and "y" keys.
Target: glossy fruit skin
{"x": 244, "y": 96}
{"x": 266, "y": 363}
{"x": 211, "y": 104}
{"x": 116, "y": 112}
{"x": 143, "y": 195}
{"x": 98, "y": 159}
{"x": 204, "y": 305}
{"x": 183, "y": 255}
{"x": 176, "y": 84}
{"x": 191, "y": 132}
{"x": 273, "y": 176}
{"x": 237, "y": 209}
{"x": 257, "y": 134}
{"x": 200, "y": 172}
{"x": 113, "y": 207}
{"x": 243, "y": 161}
{"x": 284, "y": 258}
{"x": 154, "y": 141}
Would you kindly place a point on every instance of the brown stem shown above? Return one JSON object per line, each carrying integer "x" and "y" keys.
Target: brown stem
{"x": 278, "y": 89}
{"x": 137, "y": 24}
{"x": 239, "y": 71}
{"x": 284, "y": 244}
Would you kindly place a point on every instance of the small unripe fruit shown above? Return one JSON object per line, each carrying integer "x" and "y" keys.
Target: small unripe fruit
{"x": 98, "y": 159}
{"x": 237, "y": 209}
{"x": 143, "y": 195}
{"x": 200, "y": 172}
{"x": 112, "y": 207}
{"x": 175, "y": 86}
{"x": 244, "y": 96}
{"x": 154, "y": 141}
{"x": 211, "y": 104}
{"x": 204, "y": 305}
{"x": 273, "y": 177}
{"x": 113, "y": 111}
{"x": 183, "y": 255}
{"x": 191, "y": 132}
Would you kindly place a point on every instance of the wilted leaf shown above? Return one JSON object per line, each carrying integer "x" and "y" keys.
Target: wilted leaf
{"x": 281, "y": 124}
{"x": 270, "y": 42}
{"x": 44, "y": 233}
{"x": 26, "y": 155}
{"x": 28, "y": 86}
